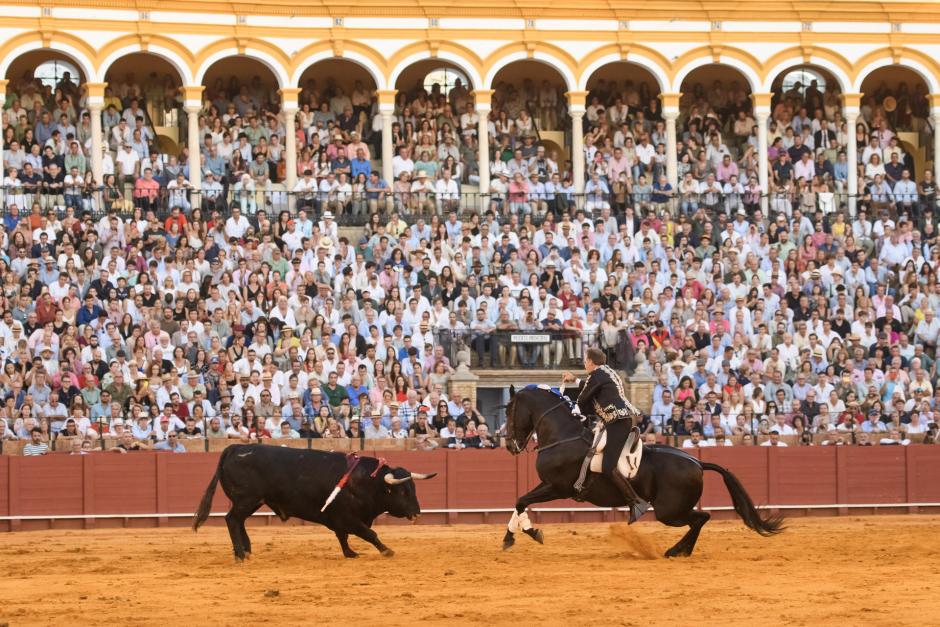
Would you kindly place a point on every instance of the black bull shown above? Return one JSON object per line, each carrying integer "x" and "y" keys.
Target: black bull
{"x": 296, "y": 483}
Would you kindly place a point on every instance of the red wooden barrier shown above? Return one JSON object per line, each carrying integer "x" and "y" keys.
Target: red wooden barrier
{"x": 150, "y": 489}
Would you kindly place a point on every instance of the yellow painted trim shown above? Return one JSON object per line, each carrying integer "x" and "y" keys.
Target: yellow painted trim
{"x": 144, "y": 41}
{"x": 337, "y": 45}
{"x": 714, "y": 52}
{"x": 95, "y": 90}
{"x": 433, "y": 47}
{"x": 761, "y": 99}
{"x": 241, "y": 44}
{"x": 483, "y": 96}
{"x": 623, "y": 49}
{"x": 192, "y": 92}
{"x": 289, "y": 95}
{"x": 387, "y": 96}
{"x": 896, "y": 54}
{"x": 529, "y": 47}
{"x": 798, "y": 53}
{"x": 670, "y": 99}
{"x": 576, "y": 98}
{"x": 45, "y": 39}
{"x": 934, "y": 100}
{"x": 852, "y": 100}
{"x": 800, "y": 10}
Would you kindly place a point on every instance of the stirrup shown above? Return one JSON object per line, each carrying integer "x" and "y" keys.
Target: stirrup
{"x": 638, "y": 508}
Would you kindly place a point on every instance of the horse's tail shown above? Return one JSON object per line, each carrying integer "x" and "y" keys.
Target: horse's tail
{"x": 744, "y": 506}
{"x": 205, "y": 505}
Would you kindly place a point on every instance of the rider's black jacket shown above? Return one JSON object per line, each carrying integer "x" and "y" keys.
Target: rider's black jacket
{"x": 602, "y": 395}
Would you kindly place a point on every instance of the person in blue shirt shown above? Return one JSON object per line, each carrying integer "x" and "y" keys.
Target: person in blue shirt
{"x": 89, "y": 311}
{"x": 171, "y": 443}
{"x": 354, "y": 389}
{"x": 360, "y": 165}
{"x": 378, "y": 193}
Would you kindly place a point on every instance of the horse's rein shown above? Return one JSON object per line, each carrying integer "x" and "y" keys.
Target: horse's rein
{"x": 535, "y": 424}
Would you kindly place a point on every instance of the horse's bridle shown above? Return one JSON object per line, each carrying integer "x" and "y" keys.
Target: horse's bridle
{"x": 516, "y": 448}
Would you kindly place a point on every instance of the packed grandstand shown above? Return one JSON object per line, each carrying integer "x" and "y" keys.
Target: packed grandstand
{"x": 140, "y": 310}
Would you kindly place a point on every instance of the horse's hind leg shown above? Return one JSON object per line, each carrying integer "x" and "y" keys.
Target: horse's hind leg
{"x": 520, "y": 519}
{"x": 695, "y": 519}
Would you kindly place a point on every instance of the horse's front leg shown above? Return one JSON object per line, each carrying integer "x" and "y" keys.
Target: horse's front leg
{"x": 542, "y": 493}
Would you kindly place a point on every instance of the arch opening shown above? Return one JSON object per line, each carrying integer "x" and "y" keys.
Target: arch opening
{"x": 153, "y": 83}
{"x": 529, "y": 112}
{"x": 893, "y": 120}
{"x": 338, "y": 105}
{"x": 716, "y": 133}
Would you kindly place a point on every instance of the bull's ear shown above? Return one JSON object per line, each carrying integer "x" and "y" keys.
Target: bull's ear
{"x": 512, "y": 390}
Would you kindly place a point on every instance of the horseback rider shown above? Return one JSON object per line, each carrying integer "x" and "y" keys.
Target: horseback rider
{"x": 601, "y": 394}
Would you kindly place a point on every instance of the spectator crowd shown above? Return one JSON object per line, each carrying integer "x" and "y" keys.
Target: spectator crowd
{"x": 150, "y": 314}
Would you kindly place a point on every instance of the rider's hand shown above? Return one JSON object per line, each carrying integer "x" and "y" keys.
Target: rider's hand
{"x": 568, "y": 378}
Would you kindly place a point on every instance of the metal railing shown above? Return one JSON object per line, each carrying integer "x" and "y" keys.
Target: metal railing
{"x": 356, "y": 208}
{"x": 531, "y": 349}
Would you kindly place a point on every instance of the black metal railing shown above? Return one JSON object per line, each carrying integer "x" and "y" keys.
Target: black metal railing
{"x": 356, "y": 208}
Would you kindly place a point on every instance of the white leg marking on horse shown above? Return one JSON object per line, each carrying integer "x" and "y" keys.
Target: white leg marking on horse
{"x": 524, "y": 521}
{"x": 514, "y": 526}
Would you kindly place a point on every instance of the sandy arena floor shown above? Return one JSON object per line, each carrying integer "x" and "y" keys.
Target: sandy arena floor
{"x": 836, "y": 571}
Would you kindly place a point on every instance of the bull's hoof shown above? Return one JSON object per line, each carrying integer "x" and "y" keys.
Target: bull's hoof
{"x": 508, "y": 540}
{"x": 536, "y": 534}
{"x": 388, "y": 553}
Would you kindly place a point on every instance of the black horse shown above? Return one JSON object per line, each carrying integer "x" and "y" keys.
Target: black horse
{"x": 668, "y": 478}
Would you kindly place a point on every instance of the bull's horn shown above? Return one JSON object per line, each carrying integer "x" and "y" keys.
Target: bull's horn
{"x": 419, "y": 477}
{"x": 391, "y": 480}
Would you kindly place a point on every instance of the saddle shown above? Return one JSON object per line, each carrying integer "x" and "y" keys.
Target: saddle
{"x": 630, "y": 456}
{"x": 627, "y": 465}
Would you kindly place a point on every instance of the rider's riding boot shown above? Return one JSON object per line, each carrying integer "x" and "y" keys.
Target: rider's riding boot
{"x": 637, "y": 505}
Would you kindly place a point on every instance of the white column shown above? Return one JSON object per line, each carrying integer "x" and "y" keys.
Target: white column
{"x": 193, "y": 143}
{"x": 3, "y": 101}
{"x": 935, "y": 116}
{"x": 97, "y": 142}
{"x": 577, "y": 147}
{"x": 483, "y": 147}
{"x": 290, "y": 146}
{"x": 763, "y": 151}
{"x": 388, "y": 151}
{"x": 851, "y": 156}
{"x": 672, "y": 157}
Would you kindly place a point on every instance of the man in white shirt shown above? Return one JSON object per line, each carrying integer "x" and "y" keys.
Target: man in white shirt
{"x": 805, "y": 168}
{"x": 237, "y": 224}
{"x": 128, "y": 162}
{"x": 774, "y": 440}
{"x": 447, "y": 192}
{"x": 402, "y": 163}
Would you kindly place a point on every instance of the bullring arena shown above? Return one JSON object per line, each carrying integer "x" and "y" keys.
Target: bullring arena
{"x": 831, "y": 566}
{"x": 328, "y": 247}
{"x": 824, "y": 571}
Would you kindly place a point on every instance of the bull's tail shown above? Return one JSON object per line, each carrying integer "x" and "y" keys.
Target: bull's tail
{"x": 205, "y": 505}
{"x": 744, "y": 506}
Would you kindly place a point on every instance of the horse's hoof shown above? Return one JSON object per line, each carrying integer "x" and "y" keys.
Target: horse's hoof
{"x": 508, "y": 541}
{"x": 350, "y": 555}
{"x": 388, "y": 553}
{"x": 536, "y": 534}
